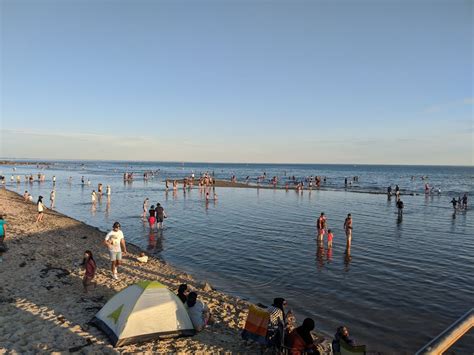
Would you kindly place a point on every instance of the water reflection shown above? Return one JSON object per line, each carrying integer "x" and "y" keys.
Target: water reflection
{"x": 320, "y": 253}
{"x": 347, "y": 259}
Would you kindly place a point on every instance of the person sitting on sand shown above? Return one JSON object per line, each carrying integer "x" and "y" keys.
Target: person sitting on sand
{"x": 3, "y": 236}
{"x": 41, "y": 208}
{"x": 301, "y": 341}
{"x": 321, "y": 225}
{"x": 342, "y": 333}
{"x": 198, "y": 312}
{"x": 88, "y": 263}
{"x": 30, "y": 198}
{"x": 277, "y": 312}
{"x": 145, "y": 206}
{"x": 182, "y": 292}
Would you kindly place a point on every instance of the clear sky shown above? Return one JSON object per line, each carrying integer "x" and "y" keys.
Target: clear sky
{"x": 380, "y": 81}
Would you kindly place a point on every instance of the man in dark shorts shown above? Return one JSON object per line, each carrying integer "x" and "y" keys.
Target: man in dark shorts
{"x": 400, "y": 207}
{"x": 160, "y": 215}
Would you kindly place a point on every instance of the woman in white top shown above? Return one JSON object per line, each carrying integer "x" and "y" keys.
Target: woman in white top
{"x": 52, "y": 196}
{"x": 41, "y": 208}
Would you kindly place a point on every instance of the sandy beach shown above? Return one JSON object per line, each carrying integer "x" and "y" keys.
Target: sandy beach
{"x": 42, "y": 304}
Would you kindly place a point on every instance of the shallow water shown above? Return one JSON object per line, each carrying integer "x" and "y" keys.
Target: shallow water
{"x": 404, "y": 282}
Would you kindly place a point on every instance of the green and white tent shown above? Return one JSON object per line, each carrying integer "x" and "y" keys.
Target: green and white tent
{"x": 141, "y": 312}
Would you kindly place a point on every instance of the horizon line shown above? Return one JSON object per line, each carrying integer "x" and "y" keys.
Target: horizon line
{"x": 36, "y": 160}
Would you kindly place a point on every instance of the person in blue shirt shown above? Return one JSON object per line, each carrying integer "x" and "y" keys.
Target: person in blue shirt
{"x": 3, "y": 236}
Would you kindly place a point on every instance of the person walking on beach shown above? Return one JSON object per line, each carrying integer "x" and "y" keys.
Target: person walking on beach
{"x": 115, "y": 242}
{"x": 348, "y": 230}
{"x": 145, "y": 206}
{"x": 41, "y": 208}
{"x": 3, "y": 237}
{"x": 88, "y": 263}
{"x": 52, "y": 197}
{"x": 160, "y": 215}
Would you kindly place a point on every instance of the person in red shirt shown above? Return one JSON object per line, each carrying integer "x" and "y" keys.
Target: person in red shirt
{"x": 330, "y": 236}
{"x": 90, "y": 266}
{"x": 301, "y": 340}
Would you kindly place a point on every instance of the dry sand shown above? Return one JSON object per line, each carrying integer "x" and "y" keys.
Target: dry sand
{"x": 42, "y": 305}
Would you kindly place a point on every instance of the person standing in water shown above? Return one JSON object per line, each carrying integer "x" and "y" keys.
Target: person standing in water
{"x": 464, "y": 202}
{"x": 145, "y": 207}
{"x": 52, "y": 197}
{"x": 455, "y": 203}
{"x": 108, "y": 190}
{"x": 400, "y": 207}
{"x": 321, "y": 225}
{"x": 348, "y": 230}
{"x": 160, "y": 215}
{"x": 115, "y": 242}
{"x": 93, "y": 197}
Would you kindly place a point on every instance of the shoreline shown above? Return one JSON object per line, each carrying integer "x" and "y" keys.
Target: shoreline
{"x": 41, "y": 290}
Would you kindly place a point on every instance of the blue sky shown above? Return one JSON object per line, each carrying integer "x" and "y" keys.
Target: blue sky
{"x": 238, "y": 81}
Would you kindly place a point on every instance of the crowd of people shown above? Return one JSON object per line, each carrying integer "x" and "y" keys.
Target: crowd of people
{"x": 283, "y": 332}
{"x": 298, "y": 339}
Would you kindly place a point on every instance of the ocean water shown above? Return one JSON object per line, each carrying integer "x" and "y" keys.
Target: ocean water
{"x": 404, "y": 282}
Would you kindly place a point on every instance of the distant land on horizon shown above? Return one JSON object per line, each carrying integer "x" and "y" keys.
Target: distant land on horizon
{"x": 32, "y": 161}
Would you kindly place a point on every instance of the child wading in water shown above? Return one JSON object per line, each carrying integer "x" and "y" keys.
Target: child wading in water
{"x": 330, "y": 236}
{"x": 89, "y": 264}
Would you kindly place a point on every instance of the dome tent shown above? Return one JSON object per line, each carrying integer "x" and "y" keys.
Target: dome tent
{"x": 141, "y": 312}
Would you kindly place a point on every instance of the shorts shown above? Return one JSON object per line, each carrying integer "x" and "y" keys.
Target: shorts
{"x": 151, "y": 220}
{"x": 115, "y": 255}
{"x": 160, "y": 219}
{"x": 349, "y": 234}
